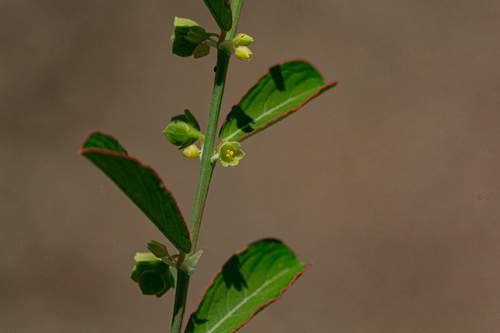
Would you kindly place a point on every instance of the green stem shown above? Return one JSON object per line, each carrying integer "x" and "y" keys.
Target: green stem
{"x": 207, "y": 166}
{"x": 236, "y": 9}
{"x": 181, "y": 293}
{"x": 206, "y": 171}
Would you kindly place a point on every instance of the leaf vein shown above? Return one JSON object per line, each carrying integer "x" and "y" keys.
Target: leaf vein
{"x": 267, "y": 112}
{"x": 246, "y": 299}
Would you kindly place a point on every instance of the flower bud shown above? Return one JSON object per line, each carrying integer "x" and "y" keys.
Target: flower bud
{"x": 243, "y": 53}
{"x": 238, "y": 45}
{"x": 191, "y": 152}
{"x": 201, "y": 50}
{"x": 181, "y": 134}
{"x": 243, "y": 40}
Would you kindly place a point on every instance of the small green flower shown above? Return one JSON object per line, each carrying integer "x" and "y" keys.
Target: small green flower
{"x": 230, "y": 153}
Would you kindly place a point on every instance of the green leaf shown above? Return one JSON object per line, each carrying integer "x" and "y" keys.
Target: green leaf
{"x": 247, "y": 283}
{"x": 280, "y": 92}
{"x": 221, "y": 11}
{"x": 141, "y": 184}
{"x": 103, "y": 141}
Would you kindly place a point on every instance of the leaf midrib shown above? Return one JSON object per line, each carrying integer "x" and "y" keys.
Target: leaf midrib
{"x": 229, "y": 314}
{"x": 265, "y": 114}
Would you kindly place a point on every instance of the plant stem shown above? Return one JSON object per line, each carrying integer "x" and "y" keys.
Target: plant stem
{"x": 206, "y": 171}
{"x": 236, "y": 9}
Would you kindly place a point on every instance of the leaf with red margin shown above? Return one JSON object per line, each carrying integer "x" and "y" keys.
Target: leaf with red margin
{"x": 141, "y": 184}
{"x": 280, "y": 92}
{"x": 246, "y": 284}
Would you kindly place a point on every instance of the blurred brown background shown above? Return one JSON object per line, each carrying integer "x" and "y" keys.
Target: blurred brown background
{"x": 389, "y": 183}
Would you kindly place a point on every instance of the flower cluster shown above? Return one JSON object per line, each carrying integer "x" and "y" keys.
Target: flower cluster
{"x": 192, "y": 40}
{"x": 238, "y": 46}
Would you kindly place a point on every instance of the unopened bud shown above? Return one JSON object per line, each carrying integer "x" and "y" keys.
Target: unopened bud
{"x": 243, "y": 40}
{"x": 243, "y": 53}
{"x": 191, "y": 152}
{"x": 181, "y": 134}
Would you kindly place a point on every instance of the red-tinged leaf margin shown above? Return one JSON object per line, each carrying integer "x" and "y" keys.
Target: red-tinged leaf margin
{"x": 263, "y": 306}
{"x": 269, "y": 123}
{"x": 82, "y": 151}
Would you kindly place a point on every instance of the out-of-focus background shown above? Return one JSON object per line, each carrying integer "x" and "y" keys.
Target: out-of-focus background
{"x": 389, "y": 183}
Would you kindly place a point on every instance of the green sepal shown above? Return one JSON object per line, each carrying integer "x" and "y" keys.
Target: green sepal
{"x": 182, "y": 27}
{"x": 187, "y": 117}
{"x": 141, "y": 257}
{"x": 182, "y": 47}
{"x": 153, "y": 275}
{"x": 152, "y": 283}
{"x": 187, "y": 36}
{"x": 201, "y": 50}
{"x": 192, "y": 120}
{"x": 196, "y": 35}
{"x": 158, "y": 249}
